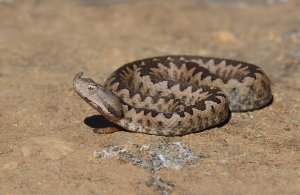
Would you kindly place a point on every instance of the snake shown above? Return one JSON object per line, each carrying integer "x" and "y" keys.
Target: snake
{"x": 176, "y": 95}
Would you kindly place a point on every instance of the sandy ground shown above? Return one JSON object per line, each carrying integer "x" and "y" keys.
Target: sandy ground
{"x": 47, "y": 144}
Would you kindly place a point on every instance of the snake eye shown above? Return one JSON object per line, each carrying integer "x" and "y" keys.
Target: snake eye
{"x": 91, "y": 87}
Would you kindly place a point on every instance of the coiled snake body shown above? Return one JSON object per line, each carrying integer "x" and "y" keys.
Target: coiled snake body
{"x": 176, "y": 95}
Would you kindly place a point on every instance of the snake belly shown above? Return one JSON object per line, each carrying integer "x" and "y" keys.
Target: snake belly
{"x": 178, "y": 95}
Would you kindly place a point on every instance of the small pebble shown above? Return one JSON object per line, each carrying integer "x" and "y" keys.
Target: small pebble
{"x": 226, "y": 37}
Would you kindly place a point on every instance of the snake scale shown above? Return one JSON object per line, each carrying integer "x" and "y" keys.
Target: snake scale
{"x": 176, "y": 95}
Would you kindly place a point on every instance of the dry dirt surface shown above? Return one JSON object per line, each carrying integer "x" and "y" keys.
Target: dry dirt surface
{"x": 47, "y": 141}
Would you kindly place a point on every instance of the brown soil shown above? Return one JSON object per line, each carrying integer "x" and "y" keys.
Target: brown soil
{"x": 45, "y": 145}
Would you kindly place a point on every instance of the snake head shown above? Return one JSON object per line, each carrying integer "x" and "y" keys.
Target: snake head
{"x": 103, "y": 100}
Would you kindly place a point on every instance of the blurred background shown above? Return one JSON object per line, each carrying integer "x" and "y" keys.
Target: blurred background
{"x": 45, "y": 147}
